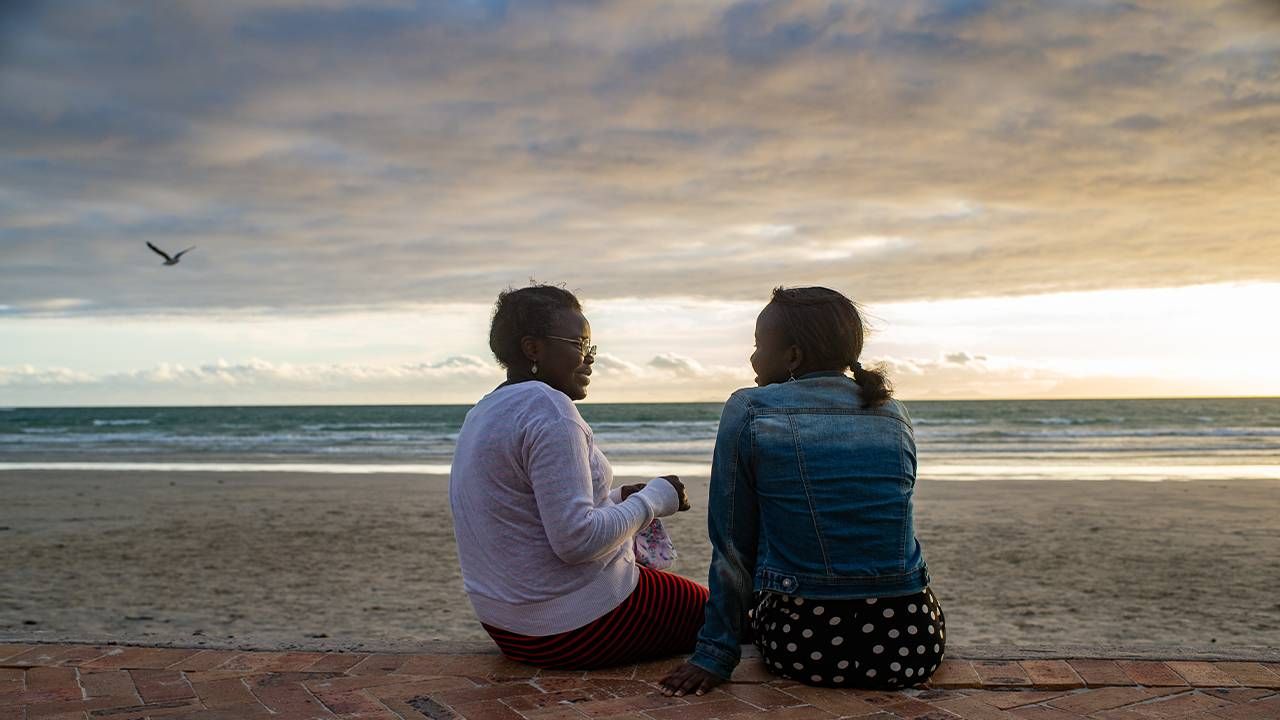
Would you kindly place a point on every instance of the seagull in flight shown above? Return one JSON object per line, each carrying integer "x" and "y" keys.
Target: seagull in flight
{"x": 170, "y": 260}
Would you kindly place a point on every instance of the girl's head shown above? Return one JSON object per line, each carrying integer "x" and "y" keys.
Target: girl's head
{"x": 804, "y": 330}
{"x": 539, "y": 332}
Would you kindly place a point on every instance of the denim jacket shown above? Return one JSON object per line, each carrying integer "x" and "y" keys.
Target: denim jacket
{"x": 810, "y": 496}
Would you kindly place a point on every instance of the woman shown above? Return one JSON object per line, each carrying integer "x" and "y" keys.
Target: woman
{"x": 810, "y": 507}
{"x": 546, "y": 549}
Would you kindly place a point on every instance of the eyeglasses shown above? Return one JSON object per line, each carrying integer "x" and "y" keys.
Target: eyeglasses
{"x": 584, "y": 345}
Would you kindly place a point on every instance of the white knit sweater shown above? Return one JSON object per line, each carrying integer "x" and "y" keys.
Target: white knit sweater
{"x": 543, "y": 547}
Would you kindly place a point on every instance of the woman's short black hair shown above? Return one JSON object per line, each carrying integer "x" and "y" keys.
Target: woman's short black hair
{"x": 525, "y": 311}
{"x": 827, "y": 327}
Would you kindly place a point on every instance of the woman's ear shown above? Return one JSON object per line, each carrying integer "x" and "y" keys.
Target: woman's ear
{"x": 531, "y": 347}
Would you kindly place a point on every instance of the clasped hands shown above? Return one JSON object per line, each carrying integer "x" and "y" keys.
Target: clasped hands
{"x": 628, "y": 490}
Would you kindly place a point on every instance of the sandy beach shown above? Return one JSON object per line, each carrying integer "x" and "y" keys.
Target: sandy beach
{"x": 287, "y": 559}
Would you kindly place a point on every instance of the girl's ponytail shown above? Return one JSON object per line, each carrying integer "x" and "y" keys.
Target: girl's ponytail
{"x": 874, "y": 385}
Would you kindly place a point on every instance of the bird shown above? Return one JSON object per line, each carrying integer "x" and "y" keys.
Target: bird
{"x": 170, "y": 260}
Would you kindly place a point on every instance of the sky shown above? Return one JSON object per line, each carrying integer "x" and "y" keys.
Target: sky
{"x": 1067, "y": 199}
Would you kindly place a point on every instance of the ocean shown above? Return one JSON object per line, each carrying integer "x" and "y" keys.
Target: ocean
{"x": 1166, "y": 439}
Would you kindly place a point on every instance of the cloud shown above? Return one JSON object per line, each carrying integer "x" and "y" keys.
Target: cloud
{"x": 981, "y": 377}
{"x": 665, "y": 378}
{"x": 461, "y": 378}
{"x": 27, "y": 375}
{"x": 1140, "y": 122}
{"x": 766, "y": 232}
{"x": 613, "y": 365}
{"x": 456, "y": 379}
{"x": 857, "y": 247}
{"x": 48, "y": 306}
{"x": 341, "y": 154}
{"x": 678, "y": 365}
{"x": 253, "y": 372}
{"x": 760, "y": 33}
{"x": 461, "y": 362}
{"x": 955, "y": 377}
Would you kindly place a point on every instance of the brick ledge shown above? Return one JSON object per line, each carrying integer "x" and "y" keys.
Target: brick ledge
{"x": 971, "y": 651}
{"x": 86, "y": 682}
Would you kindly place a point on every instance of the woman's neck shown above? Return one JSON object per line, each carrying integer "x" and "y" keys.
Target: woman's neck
{"x": 518, "y": 376}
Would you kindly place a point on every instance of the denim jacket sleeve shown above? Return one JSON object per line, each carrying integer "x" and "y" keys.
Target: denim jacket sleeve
{"x": 732, "y": 524}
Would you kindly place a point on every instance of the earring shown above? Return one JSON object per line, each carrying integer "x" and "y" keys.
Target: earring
{"x": 793, "y": 376}
{"x": 534, "y": 368}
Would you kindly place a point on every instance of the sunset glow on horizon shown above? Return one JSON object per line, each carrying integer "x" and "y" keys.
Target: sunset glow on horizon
{"x": 1069, "y": 345}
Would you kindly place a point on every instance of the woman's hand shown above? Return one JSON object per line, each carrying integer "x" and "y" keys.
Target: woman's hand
{"x": 629, "y": 490}
{"x": 689, "y": 679}
{"x": 679, "y": 486}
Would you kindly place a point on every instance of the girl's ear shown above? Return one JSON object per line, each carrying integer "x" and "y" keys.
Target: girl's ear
{"x": 795, "y": 357}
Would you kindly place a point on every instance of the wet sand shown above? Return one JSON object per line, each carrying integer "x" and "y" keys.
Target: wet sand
{"x": 345, "y": 560}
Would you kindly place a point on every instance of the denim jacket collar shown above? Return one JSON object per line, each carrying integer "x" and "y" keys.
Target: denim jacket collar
{"x": 822, "y": 373}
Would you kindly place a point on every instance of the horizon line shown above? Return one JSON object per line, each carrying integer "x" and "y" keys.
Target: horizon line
{"x": 11, "y": 408}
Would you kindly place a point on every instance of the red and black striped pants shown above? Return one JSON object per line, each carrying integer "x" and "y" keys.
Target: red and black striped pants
{"x": 661, "y": 617}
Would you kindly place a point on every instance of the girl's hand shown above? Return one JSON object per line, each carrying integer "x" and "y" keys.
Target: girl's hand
{"x": 679, "y": 486}
{"x": 689, "y": 679}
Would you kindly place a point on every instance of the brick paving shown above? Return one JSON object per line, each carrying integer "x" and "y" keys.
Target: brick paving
{"x": 106, "y": 682}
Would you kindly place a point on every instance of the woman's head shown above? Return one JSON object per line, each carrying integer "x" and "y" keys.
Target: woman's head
{"x": 804, "y": 330}
{"x": 539, "y": 332}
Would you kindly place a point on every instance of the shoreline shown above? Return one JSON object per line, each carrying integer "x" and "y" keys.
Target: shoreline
{"x": 1022, "y": 471}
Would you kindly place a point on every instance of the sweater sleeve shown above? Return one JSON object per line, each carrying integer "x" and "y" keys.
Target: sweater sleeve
{"x": 559, "y": 466}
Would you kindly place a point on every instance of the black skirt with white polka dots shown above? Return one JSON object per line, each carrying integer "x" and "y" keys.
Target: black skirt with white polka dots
{"x": 890, "y": 642}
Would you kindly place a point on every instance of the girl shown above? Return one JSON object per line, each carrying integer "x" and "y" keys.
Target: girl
{"x": 814, "y": 552}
